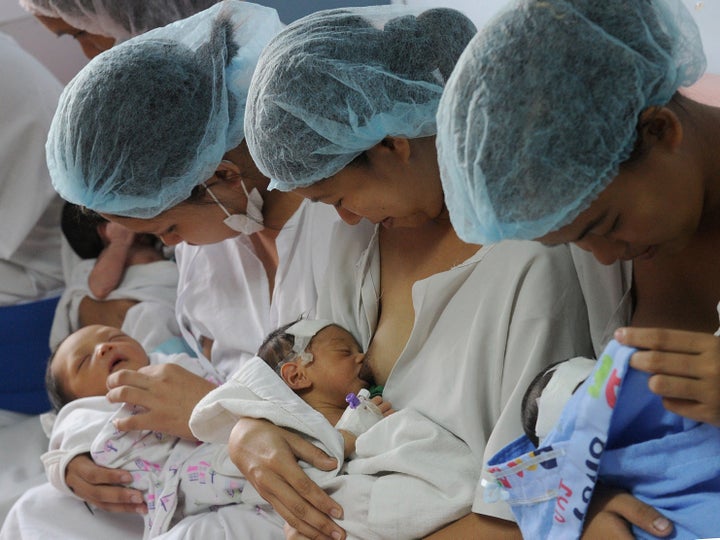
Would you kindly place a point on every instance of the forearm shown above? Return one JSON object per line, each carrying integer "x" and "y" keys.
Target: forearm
{"x": 109, "y": 269}
{"x": 475, "y": 526}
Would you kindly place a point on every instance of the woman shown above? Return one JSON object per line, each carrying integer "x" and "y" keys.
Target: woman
{"x": 342, "y": 110}
{"x": 181, "y": 124}
{"x": 607, "y": 155}
{"x": 99, "y": 24}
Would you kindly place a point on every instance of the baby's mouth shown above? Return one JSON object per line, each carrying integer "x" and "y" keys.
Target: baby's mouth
{"x": 115, "y": 363}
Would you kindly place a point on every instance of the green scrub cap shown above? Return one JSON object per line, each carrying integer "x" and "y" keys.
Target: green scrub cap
{"x": 145, "y": 122}
{"x": 335, "y": 83}
{"x": 543, "y": 108}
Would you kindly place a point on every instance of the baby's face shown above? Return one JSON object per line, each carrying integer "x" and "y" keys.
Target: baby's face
{"x": 86, "y": 358}
{"x": 337, "y": 364}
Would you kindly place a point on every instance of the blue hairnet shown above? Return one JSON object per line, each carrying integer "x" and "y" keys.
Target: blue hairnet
{"x": 145, "y": 122}
{"x": 119, "y": 19}
{"x": 544, "y": 104}
{"x": 337, "y": 82}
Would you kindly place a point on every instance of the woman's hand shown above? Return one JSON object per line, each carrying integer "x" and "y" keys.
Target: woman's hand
{"x": 684, "y": 368}
{"x": 267, "y": 456}
{"x": 167, "y": 392}
{"x": 102, "y": 487}
{"x": 612, "y": 511}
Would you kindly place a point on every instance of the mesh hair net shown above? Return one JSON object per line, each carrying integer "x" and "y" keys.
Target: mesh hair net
{"x": 337, "y": 82}
{"x": 544, "y": 104}
{"x": 145, "y": 122}
{"x": 119, "y": 19}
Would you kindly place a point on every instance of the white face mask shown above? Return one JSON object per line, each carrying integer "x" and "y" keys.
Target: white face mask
{"x": 248, "y": 223}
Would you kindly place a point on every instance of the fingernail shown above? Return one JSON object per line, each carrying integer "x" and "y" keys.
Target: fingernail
{"x": 336, "y": 535}
{"x": 136, "y": 499}
{"x": 141, "y": 510}
{"x": 336, "y": 513}
{"x": 620, "y": 333}
{"x": 661, "y": 524}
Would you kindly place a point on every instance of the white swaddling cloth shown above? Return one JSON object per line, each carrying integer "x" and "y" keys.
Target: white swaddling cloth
{"x": 393, "y": 489}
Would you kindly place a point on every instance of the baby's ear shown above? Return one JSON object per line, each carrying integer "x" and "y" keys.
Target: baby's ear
{"x": 294, "y": 376}
{"x": 661, "y": 125}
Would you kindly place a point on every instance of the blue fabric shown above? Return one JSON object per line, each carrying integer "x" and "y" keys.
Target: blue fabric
{"x": 24, "y": 349}
{"x": 665, "y": 460}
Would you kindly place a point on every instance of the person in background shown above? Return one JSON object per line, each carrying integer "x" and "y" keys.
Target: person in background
{"x": 607, "y": 155}
{"x": 30, "y": 263}
{"x": 97, "y": 25}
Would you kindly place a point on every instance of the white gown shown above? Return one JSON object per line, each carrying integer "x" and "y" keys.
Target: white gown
{"x": 482, "y": 331}
{"x": 224, "y": 294}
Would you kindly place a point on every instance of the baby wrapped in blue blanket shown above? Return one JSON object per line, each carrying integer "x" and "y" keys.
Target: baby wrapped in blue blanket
{"x": 613, "y": 430}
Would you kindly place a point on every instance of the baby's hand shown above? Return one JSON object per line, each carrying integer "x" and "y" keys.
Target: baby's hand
{"x": 384, "y": 406}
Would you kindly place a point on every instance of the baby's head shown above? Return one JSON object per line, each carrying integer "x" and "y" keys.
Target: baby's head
{"x": 82, "y": 362}
{"x": 317, "y": 359}
{"x": 548, "y": 393}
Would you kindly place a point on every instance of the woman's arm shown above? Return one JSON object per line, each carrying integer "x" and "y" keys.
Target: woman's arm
{"x": 112, "y": 261}
{"x": 267, "y": 456}
{"x": 478, "y": 526}
{"x": 105, "y": 312}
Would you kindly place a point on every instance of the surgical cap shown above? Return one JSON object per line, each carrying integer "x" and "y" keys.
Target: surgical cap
{"x": 335, "y": 83}
{"x": 544, "y": 104}
{"x": 119, "y": 19}
{"x": 145, "y": 122}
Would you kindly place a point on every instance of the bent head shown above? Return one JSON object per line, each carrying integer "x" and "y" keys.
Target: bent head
{"x": 544, "y": 110}
{"x": 317, "y": 359}
{"x": 143, "y": 125}
{"x": 99, "y": 24}
{"x": 82, "y": 362}
{"x": 337, "y": 92}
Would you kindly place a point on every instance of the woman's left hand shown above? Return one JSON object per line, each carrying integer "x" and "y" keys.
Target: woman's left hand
{"x": 167, "y": 392}
{"x": 684, "y": 368}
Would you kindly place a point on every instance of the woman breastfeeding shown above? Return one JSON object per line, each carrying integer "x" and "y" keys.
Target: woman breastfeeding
{"x": 342, "y": 110}
{"x": 150, "y": 135}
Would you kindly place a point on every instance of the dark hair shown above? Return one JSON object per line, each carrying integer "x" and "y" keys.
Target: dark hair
{"x": 529, "y": 407}
{"x": 79, "y": 226}
{"x": 276, "y": 349}
{"x": 57, "y": 393}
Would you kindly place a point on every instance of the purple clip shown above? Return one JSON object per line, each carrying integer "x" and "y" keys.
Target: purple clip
{"x": 352, "y": 400}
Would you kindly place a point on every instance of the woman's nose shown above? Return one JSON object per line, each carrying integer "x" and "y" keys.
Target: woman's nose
{"x": 170, "y": 239}
{"x": 359, "y": 358}
{"x": 606, "y": 251}
{"x": 347, "y": 216}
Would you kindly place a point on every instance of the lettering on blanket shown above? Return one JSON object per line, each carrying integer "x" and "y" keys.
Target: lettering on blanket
{"x": 605, "y": 386}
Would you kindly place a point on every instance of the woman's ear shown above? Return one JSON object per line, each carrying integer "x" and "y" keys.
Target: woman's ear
{"x": 660, "y": 125}
{"x": 294, "y": 376}
{"x": 391, "y": 148}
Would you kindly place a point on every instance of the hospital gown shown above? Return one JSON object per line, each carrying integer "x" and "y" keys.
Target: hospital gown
{"x": 482, "y": 330}
{"x": 224, "y": 293}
